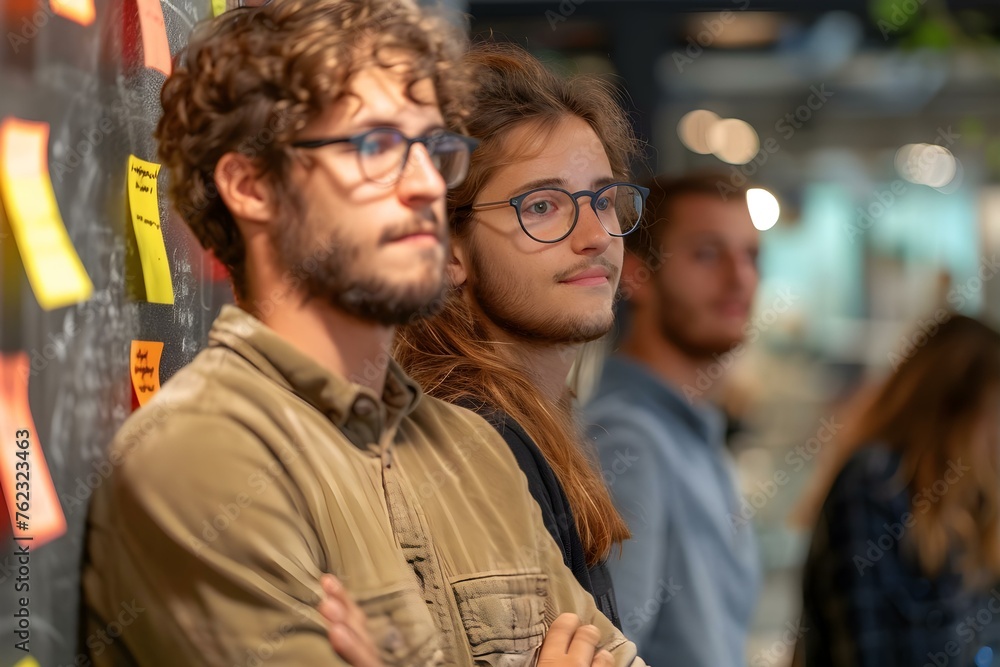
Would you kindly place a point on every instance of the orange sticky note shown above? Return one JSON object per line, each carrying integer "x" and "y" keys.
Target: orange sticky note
{"x": 145, "y": 209}
{"x": 81, "y": 11}
{"x": 145, "y": 367}
{"x": 31, "y": 497}
{"x": 155, "y": 47}
{"x": 54, "y": 270}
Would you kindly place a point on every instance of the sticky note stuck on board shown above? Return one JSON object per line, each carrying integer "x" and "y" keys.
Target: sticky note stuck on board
{"x": 27, "y": 662}
{"x": 218, "y": 6}
{"x": 37, "y": 516}
{"x": 155, "y": 47}
{"x": 145, "y": 211}
{"x": 144, "y": 364}
{"x": 57, "y": 276}
{"x": 81, "y": 11}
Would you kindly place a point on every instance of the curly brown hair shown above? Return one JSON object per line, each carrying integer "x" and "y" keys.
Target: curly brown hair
{"x": 252, "y": 78}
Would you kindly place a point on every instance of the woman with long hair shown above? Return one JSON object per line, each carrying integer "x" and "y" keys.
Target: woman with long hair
{"x": 536, "y": 231}
{"x": 906, "y": 545}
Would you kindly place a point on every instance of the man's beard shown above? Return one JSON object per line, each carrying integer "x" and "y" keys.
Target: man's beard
{"x": 675, "y": 326}
{"x": 509, "y": 308}
{"x": 329, "y": 270}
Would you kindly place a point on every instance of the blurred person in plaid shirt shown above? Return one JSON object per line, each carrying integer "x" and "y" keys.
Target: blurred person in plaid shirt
{"x": 905, "y": 556}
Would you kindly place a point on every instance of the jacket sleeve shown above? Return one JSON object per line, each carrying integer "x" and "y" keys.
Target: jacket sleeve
{"x": 211, "y": 547}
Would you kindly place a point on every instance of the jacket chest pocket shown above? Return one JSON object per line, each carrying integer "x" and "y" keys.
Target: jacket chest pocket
{"x": 402, "y": 629}
{"x": 504, "y": 616}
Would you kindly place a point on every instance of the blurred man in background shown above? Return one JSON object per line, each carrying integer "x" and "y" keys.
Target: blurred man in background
{"x": 687, "y": 582}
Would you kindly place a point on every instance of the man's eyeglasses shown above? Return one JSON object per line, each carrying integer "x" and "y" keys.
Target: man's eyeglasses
{"x": 548, "y": 215}
{"x": 383, "y": 152}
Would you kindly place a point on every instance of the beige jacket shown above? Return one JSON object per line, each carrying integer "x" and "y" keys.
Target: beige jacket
{"x": 254, "y": 471}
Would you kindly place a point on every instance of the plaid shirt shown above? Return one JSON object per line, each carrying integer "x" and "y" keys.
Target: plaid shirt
{"x": 865, "y": 600}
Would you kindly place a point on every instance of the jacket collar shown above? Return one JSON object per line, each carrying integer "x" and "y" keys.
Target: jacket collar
{"x": 353, "y": 408}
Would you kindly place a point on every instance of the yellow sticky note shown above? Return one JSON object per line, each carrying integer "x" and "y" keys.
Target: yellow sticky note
{"x": 27, "y": 662}
{"x": 81, "y": 11}
{"x": 218, "y": 6}
{"x": 54, "y": 270}
{"x": 28, "y": 490}
{"x": 145, "y": 368}
{"x": 145, "y": 208}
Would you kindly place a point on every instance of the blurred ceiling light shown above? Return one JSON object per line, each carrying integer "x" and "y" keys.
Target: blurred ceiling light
{"x": 693, "y": 129}
{"x": 902, "y": 159}
{"x": 955, "y": 182}
{"x": 941, "y": 166}
{"x": 764, "y": 208}
{"x": 733, "y": 140}
{"x": 926, "y": 164}
{"x": 734, "y": 30}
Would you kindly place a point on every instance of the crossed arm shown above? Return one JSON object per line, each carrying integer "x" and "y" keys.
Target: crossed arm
{"x": 568, "y": 643}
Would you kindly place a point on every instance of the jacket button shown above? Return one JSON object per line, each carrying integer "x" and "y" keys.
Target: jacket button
{"x": 393, "y": 641}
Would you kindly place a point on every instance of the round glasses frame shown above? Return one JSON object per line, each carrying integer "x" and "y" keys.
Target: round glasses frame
{"x": 574, "y": 196}
{"x": 430, "y": 142}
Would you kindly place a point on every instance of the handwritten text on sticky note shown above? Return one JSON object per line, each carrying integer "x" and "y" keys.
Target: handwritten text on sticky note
{"x": 145, "y": 368}
{"x": 145, "y": 210}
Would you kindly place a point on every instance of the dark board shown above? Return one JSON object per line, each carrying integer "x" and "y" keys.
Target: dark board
{"x": 83, "y": 81}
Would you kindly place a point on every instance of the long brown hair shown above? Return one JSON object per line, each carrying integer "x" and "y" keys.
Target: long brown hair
{"x": 451, "y": 354}
{"x": 931, "y": 410}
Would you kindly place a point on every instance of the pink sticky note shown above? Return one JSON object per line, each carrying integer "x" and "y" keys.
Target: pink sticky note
{"x": 155, "y": 48}
{"x": 28, "y": 490}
